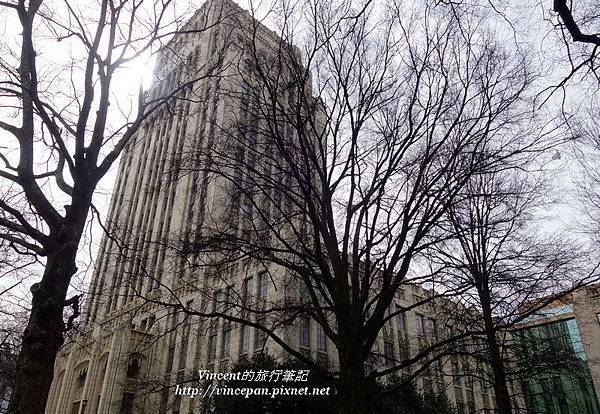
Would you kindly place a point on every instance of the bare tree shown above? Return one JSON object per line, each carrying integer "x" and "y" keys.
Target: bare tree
{"x": 577, "y": 27}
{"x": 576, "y": 24}
{"x": 506, "y": 262}
{"x": 65, "y": 129}
{"x": 338, "y": 160}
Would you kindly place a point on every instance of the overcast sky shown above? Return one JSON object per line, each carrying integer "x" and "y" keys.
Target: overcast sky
{"x": 532, "y": 34}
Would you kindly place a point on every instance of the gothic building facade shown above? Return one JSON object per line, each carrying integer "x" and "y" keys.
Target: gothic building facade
{"x": 137, "y": 342}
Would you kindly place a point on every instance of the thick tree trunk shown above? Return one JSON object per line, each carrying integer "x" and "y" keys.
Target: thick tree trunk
{"x": 355, "y": 392}
{"x": 44, "y": 334}
{"x": 503, "y": 405}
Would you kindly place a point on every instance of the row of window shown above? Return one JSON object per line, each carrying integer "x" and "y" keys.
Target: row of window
{"x": 248, "y": 291}
{"x": 304, "y": 334}
{"x": 244, "y": 341}
{"x": 426, "y": 327}
{"x": 224, "y": 301}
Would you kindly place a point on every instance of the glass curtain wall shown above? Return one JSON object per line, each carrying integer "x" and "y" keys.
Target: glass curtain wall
{"x": 555, "y": 377}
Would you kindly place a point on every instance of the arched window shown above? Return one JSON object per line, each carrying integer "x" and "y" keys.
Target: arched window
{"x": 133, "y": 369}
{"x": 81, "y": 376}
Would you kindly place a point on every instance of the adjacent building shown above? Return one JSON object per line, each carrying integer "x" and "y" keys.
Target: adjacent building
{"x": 558, "y": 355}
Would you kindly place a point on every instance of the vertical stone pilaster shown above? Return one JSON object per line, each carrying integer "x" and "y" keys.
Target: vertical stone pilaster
{"x": 90, "y": 381}
{"x": 55, "y": 392}
{"x": 64, "y": 394}
{"x": 106, "y": 395}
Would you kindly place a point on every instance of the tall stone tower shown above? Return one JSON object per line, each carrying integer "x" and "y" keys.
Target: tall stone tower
{"x": 134, "y": 348}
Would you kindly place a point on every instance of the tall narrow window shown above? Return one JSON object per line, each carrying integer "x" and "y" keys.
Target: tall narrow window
{"x": 404, "y": 351}
{"x": 400, "y": 320}
{"x": 388, "y": 353}
{"x": 470, "y": 402}
{"x": 268, "y": 190}
{"x": 460, "y": 402}
{"x": 437, "y": 370}
{"x": 427, "y": 386}
{"x": 263, "y": 285}
{"x": 170, "y": 359}
{"x": 81, "y": 378}
{"x": 184, "y": 350}
{"x": 456, "y": 372}
{"x": 247, "y": 214}
{"x": 151, "y": 321}
{"x": 304, "y": 331}
{"x": 216, "y": 300}
{"x": 174, "y": 319}
{"x": 189, "y": 306}
{"x": 212, "y": 347}
{"x": 244, "y": 100}
{"x": 420, "y": 325}
{"x": 133, "y": 369}
{"x": 226, "y": 350}
{"x": 229, "y": 300}
{"x": 244, "y": 339}
{"x": 321, "y": 338}
{"x": 127, "y": 403}
{"x": 431, "y": 329}
{"x": 247, "y": 290}
{"x": 164, "y": 395}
